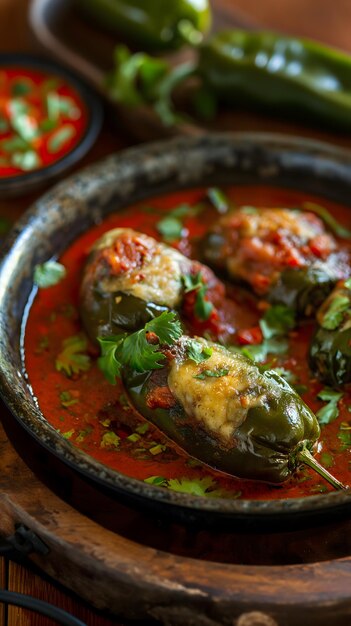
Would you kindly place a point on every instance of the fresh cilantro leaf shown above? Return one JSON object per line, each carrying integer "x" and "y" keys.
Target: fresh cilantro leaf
{"x": 345, "y": 437}
{"x": 277, "y": 320}
{"x": 197, "y": 351}
{"x": 134, "y": 351}
{"x": 204, "y": 487}
{"x": 328, "y": 219}
{"x": 327, "y": 459}
{"x": 334, "y": 315}
{"x": 68, "y": 434}
{"x": 26, "y": 161}
{"x": 71, "y": 359}
{"x": 191, "y": 283}
{"x": 67, "y": 399}
{"x": 160, "y": 481}
{"x": 194, "y": 487}
{"x": 347, "y": 283}
{"x": 330, "y": 411}
{"x": 21, "y": 87}
{"x": 203, "y": 308}
{"x": 48, "y": 274}
{"x": 259, "y": 352}
{"x": 219, "y": 199}
{"x": 170, "y": 228}
{"x": 218, "y": 373}
{"x": 166, "y": 326}
{"x": 140, "y": 355}
{"x": 62, "y": 136}
{"x": 110, "y": 440}
{"x": 109, "y": 362}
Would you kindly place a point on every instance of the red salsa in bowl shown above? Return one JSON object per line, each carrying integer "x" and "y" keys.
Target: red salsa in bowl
{"x": 48, "y": 120}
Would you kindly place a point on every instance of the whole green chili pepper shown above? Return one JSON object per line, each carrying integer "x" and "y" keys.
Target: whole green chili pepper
{"x": 228, "y": 414}
{"x": 273, "y": 250}
{"x": 303, "y": 290}
{"x": 152, "y": 24}
{"x": 279, "y": 74}
{"x": 330, "y": 349}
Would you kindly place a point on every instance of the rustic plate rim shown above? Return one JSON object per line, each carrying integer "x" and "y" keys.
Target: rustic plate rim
{"x": 135, "y": 488}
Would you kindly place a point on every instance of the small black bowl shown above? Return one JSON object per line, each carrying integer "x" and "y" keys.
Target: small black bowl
{"x": 30, "y": 181}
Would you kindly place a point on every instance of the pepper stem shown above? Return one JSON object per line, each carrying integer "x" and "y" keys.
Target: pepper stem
{"x": 304, "y": 456}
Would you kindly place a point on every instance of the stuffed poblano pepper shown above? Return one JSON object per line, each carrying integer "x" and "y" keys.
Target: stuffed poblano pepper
{"x": 152, "y": 24}
{"x": 215, "y": 404}
{"x": 286, "y": 255}
{"x": 330, "y": 350}
{"x": 129, "y": 278}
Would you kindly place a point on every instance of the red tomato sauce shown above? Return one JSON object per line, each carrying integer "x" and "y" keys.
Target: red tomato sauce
{"x": 86, "y": 409}
{"x": 42, "y": 118}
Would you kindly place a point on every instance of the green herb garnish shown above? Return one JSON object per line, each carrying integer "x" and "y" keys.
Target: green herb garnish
{"x": 330, "y": 411}
{"x": 26, "y": 161}
{"x": 277, "y": 321}
{"x": 110, "y": 440}
{"x": 198, "y": 352}
{"x": 170, "y": 228}
{"x": 72, "y": 359}
{"x": 334, "y": 315}
{"x": 60, "y": 138}
{"x": 67, "y": 399}
{"x": 328, "y": 219}
{"x": 203, "y": 308}
{"x": 48, "y": 274}
{"x": 219, "y": 199}
{"x": 134, "y": 351}
{"x": 217, "y": 373}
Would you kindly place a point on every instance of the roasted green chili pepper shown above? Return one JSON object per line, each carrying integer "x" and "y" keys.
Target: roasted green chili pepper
{"x": 152, "y": 24}
{"x": 227, "y": 413}
{"x": 303, "y": 290}
{"x": 130, "y": 278}
{"x": 279, "y": 74}
{"x": 330, "y": 350}
{"x": 286, "y": 255}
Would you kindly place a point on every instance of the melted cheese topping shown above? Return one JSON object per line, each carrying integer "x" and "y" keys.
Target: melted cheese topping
{"x": 220, "y": 403}
{"x": 158, "y": 280}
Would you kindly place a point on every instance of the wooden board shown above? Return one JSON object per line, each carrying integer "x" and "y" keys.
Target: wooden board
{"x": 110, "y": 571}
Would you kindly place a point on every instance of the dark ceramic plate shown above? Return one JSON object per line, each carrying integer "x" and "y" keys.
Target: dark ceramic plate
{"x": 85, "y": 199}
{"x": 29, "y": 181}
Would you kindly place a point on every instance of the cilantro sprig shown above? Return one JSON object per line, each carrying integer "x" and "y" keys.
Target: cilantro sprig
{"x": 330, "y": 411}
{"x": 48, "y": 274}
{"x": 203, "y": 308}
{"x": 334, "y": 315}
{"x": 197, "y": 351}
{"x": 73, "y": 358}
{"x": 275, "y": 324}
{"x": 134, "y": 350}
{"x": 205, "y": 487}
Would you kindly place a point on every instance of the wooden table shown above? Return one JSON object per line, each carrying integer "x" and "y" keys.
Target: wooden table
{"x": 328, "y": 21}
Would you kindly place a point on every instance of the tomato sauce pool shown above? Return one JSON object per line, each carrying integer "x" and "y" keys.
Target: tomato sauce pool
{"x": 96, "y": 417}
{"x": 42, "y": 119}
